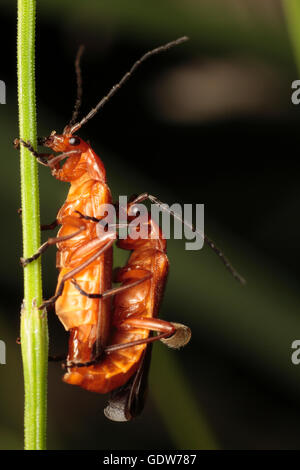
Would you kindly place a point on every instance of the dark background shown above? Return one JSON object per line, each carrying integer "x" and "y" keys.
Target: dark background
{"x": 208, "y": 122}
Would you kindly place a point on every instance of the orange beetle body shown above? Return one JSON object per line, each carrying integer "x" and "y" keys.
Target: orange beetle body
{"x": 88, "y": 192}
{"x": 133, "y": 310}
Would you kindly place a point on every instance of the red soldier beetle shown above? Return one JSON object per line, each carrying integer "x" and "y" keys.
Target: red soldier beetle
{"x": 106, "y": 352}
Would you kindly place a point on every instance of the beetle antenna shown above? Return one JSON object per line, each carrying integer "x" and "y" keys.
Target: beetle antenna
{"x": 79, "y": 87}
{"x": 124, "y": 79}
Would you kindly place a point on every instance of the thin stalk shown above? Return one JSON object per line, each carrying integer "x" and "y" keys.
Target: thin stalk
{"x": 34, "y": 333}
{"x": 292, "y": 15}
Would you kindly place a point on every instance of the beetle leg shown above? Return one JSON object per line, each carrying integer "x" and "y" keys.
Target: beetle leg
{"x": 41, "y": 157}
{"x": 74, "y": 271}
{"x": 51, "y": 226}
{"x": 88, "y": 217}
{"x": 110, "y": 292}
{"x": 174, "y": 335}
{"x": 142, "y": 197}
{"x": 44, "y": 158}
{"x": 56, "y": 159}
{"x": 117, "y": 347}
{"x": 166, "y": 328}
{"x": 94, "y": 219}
{"x": 49, "y": 242}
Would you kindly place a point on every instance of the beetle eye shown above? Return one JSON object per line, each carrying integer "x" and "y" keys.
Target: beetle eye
{"x": 74, "y": 141}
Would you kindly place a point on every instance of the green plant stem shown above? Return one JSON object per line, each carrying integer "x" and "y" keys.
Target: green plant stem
{"x": 34, "y": 333}
{"x": 292, "y": 14}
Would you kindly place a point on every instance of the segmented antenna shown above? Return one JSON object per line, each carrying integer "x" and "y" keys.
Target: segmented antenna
{"x": 124, "y": 79}
{"x": 207, "y": 240}
{"x": 224, "y": 260}
{"x": 79, "y": 87}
